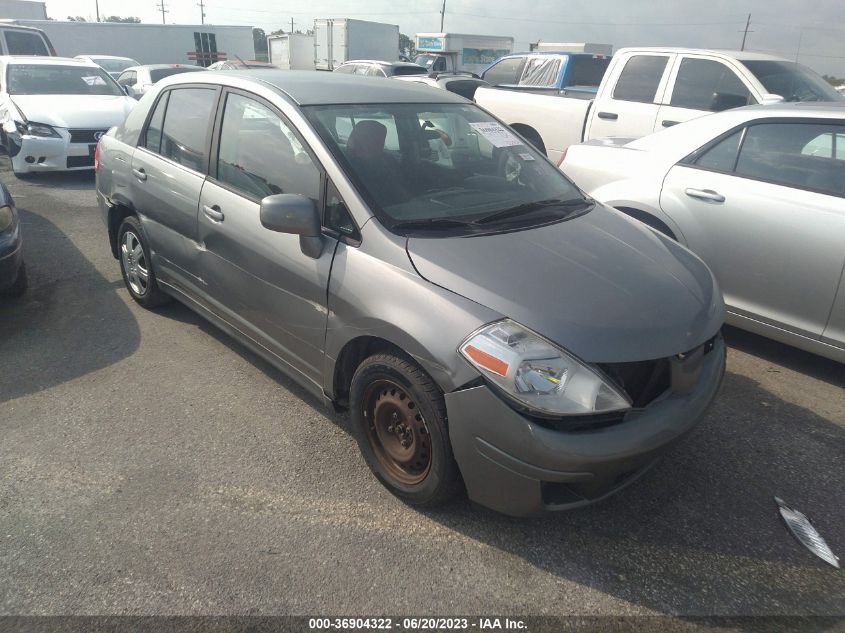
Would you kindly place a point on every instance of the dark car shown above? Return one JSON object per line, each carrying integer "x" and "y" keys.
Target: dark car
{"x": 12, "y": 271}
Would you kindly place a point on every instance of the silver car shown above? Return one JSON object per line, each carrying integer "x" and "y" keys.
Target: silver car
{"x": 487, "y": 326}
{"x": 759, "y": 194}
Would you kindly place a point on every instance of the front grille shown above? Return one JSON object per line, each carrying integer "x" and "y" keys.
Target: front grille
{"x": 80, "y": 161}
{"x": 643, "y": 381}
{"x": 84, "y": 136}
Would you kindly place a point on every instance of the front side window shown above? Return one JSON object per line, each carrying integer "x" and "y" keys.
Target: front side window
{"x": 792, "y": 81}
{"x": 506, "y": 72}
{"x": 640, "y": 78}
{"x": 777, "y": 152}
{"x": 49, "y": 79}
{"x": 186, "y": 123}
{"x": 128, "y": 79}
{"x": 157, "y": 74}
{"x": 260, "y": 155}
{"x": 704, "y": 84}
{"x": 449, "y": 167}
{"x": 346, "y": 69}
{"x": 541, "y": 72}
{"x": 25, "y": 43}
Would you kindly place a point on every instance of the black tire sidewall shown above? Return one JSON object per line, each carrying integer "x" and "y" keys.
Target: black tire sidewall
{"x": 439, "y": 484}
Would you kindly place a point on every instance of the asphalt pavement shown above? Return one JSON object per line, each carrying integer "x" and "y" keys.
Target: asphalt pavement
{"x": 151, "y": 465}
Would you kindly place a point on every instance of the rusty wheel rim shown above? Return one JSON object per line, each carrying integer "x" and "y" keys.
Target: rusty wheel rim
{"x": 397, "y": 432}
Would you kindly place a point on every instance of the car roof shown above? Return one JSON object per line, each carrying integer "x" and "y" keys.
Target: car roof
{"x": 94, "y": 56}
{"x": 381, "y": 62}
{"x": 158, "y": 66}
{"x": 47, "y": 60}
{"x": 735, "y": 54}
{"x": 310, "y": 87}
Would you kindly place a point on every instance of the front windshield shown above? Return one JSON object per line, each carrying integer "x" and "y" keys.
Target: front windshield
{"x": 439, "y": 166}
{"x": 114, "y": 65}
{"x": 48, "y": 79}
{"x": 792, "y": 81}
{"x": 425, "y": 60}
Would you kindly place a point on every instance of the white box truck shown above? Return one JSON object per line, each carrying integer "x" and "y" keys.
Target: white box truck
{"x": 339, "y": 40}
{"x": 573, "y": 47}
{"x": 291, "y": 51}
{"x": 455, "y": 52}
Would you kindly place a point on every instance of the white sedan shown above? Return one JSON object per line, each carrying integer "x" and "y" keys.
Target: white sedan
{"x": 759, "y": 194}
{"x": 53, "y": 110}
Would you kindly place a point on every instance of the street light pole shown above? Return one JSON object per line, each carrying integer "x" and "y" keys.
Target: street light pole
{"x": 97, "y": 7}
{"x": 442, "y": 15}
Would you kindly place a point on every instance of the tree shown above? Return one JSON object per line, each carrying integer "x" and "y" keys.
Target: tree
{"x": 117, "y": 18}
{"x": 77, "y": 18}
{"x": 259, "y": 42}
{"x": 406, "y": 46}
{"x": 833, "y": 81}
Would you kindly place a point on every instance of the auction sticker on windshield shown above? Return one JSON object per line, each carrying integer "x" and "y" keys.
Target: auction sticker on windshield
{"x": 496, "y": 133}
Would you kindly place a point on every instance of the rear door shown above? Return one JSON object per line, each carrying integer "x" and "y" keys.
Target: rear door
{"x": 260, "y": 280}
{"x": 765, "y": 208}
{"x": 168, "y": 171}
{"x": 628, "y": 104}
{"x": 701, "y": 85}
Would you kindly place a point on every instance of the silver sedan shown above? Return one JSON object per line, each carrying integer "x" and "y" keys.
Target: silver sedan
{"x": 759, "y": 194}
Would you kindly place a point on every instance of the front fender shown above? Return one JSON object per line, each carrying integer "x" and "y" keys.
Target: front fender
{"x": 632, "y": 194}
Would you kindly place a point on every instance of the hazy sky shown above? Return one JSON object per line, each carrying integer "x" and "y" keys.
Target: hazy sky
{"x": 812, "y": 29}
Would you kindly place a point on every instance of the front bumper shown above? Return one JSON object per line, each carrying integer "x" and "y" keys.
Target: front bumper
{"x": 42, "y": 154}
{"x": 11, "y": 257}
{"x": 515, "y": 466}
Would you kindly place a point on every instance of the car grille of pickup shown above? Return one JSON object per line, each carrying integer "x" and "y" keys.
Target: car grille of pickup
{"x": 84, "y": 136}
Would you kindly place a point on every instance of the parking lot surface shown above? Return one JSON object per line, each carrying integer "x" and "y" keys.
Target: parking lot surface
{"x": 152, "y": 466}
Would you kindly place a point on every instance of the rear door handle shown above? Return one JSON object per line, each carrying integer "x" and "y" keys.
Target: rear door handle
{"x": 610, "y": 116}
{"x": 140, "y": 174}
{"x": 668, "y": 123}
{"x": 705, "y": 194}
{"x": 213, "y": 213}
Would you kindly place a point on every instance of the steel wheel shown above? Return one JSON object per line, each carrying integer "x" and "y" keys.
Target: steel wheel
{"x": 134, "y": 263}
{"x": 397, "y": 432}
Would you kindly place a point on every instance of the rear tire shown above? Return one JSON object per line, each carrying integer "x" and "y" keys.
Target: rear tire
{"x": 136, "y": 265}
{"x": 399, "y": 420}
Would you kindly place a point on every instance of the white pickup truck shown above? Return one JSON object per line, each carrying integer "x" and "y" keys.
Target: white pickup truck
{"x": 647, "y": 89}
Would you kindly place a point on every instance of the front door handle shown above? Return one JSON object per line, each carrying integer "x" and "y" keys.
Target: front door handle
{"x": 610, "y": 116}
{"x": 140, "y": 174}
{"x": 213, "y": 213}
{"x": 668, "y": 123}
{"x": 705, "y": 194}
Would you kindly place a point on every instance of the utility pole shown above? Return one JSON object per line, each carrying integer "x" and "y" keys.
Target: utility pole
{"x": 163, "y": 8}
{"x": 746, "y": 32}
{"x": 97, "y": 7}
{"x": 201, "y": 5}
{"x": 291, "y": 25}
{"x": 442, "y": 15}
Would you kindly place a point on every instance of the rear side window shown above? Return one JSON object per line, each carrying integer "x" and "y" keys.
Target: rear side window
{"x": 506, "y": 71}
{"x": 541, "y": 72}
{"x": 157, "y": 74}
{"x": 186, "y": 124}
{"x": 346, "y": 69}
{"x": 25, "y": 43}
{"x": 152, "y": 139}
{"x": 128, "y": 79}
{"x": 722, "y": 156}
{"x": 640, "y": 78}
{"x": 704, "y": 84}
{"x": 784, "y": 153}
{"x": 586, "y": 71}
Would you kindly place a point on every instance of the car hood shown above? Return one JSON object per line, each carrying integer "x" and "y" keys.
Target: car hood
{"x": 601, "y": 285}
{"x": 75, "y": 111}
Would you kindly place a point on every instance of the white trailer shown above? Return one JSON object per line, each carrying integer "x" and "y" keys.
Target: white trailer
{"x": 573, "y": 47}
{"x": 453, "y": 52}
{"x": 339, "y": 40}
{"x": 291, "y": 51}
{"x": 149, "y": 43}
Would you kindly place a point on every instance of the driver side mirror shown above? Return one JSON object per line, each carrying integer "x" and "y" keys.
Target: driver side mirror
{"x": 726, "y": 101}
{"x": 297, "y": 215}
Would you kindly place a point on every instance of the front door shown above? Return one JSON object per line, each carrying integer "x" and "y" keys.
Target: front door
{"x": 765, "y": 208}
{"x": 259, "y": 280}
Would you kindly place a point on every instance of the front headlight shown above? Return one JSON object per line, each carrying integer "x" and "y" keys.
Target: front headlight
{"x": 37, "y": 129}
{"x": 538, "y": 374}
{"x": 6, "y": 217}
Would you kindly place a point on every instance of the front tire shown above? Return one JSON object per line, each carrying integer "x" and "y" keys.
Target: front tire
{"x": 135, "y": 264}
{"x": 399, "y": 420}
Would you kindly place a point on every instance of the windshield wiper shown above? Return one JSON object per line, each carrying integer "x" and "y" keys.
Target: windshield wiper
{"x": 530, "y": 207}
{"x": 440, "y": 223}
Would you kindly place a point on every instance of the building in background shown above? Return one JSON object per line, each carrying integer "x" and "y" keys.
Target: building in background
{"x": 148, "y": 43}
{"x": 23, "y": 9}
